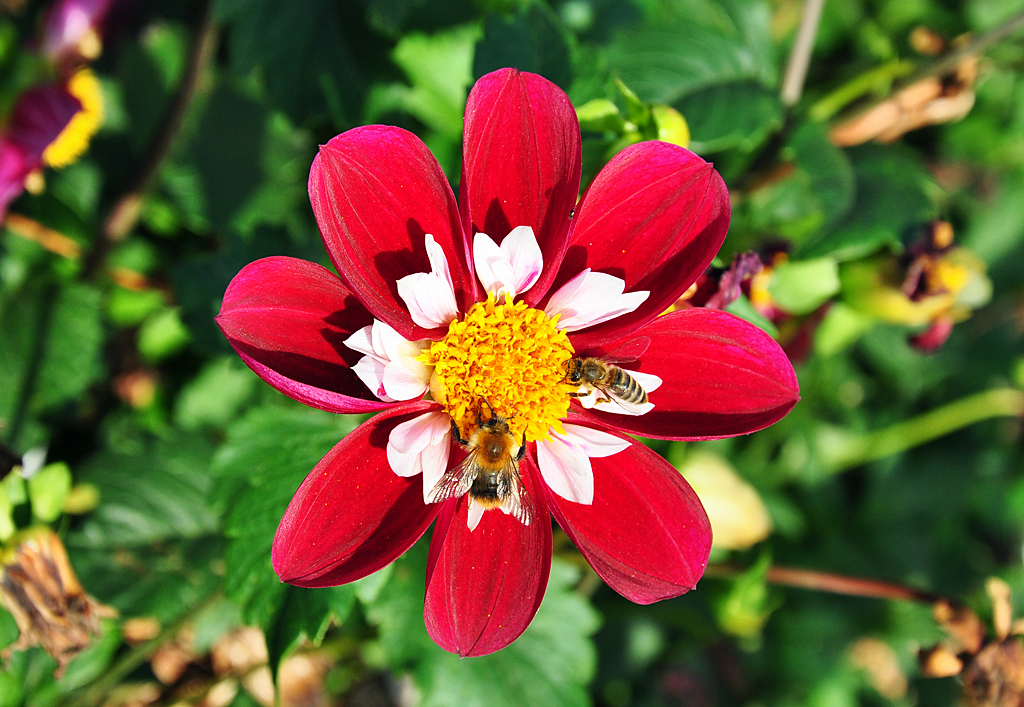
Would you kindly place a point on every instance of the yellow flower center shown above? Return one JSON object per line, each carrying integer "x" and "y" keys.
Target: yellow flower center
{"x": 509, "y": 355}
{"x": 74, "y": 138}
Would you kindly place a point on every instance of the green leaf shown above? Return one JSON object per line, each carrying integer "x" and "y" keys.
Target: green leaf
{"x": 158, "y": 492}
{"x": 600, "y": 115}
{"x": 8, "y": 628}
{"x": 93, "y": 661}
{"x": 840, "y": 328}
{"x": 743, "y": 610}
{"x": 439, "y": 67}
{"x": 71, "y": 359}
{"x": 228, "y": 152}
{"x": 800, "y": 287}
{"x": 996, "y": 226}
{"x": 11, "y": 692}
{"x": 216, "y": 395}
{"x": 266, "y": 456}
{"x": 667, "y": 62}
{"x": 832, "y": 178}
{"x": 743, "y": 309}
{"x": 737, "y": 114}
{"x": 164, "y": 581}
{"x": 163, "y": 334}
{"x": 47, "y": 490}
{"x": 892, "y": 194}
{"x": 130, "y": 307}
{"x": 301, "y": 49}
{"x": 531, "y": 40}
{"x": 307, "y": 614}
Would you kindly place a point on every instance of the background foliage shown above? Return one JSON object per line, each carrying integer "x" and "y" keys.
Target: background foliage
{"x": 111, "y": 361}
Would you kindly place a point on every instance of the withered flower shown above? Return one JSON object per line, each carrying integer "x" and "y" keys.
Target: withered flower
{"x": 40, "y": 589}
{"x": 991, "y": 669}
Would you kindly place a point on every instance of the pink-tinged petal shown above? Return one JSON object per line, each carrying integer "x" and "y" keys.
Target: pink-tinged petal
{"x": 591, "y": 298}
{"x": 565, "y": 460}
{"x": 722, "y": 376}
{"x": 655, "y": 216}
{"x": 421, "y": 446}
{"x": 485, "y": 585}
{"x": 389, "y": 368}
{"x": 377, "y": 192}
{"x": 521, "y": 163}
{"x": 352, "y": 515}
{"x": 513, "y": 267}
{"x": 430, "y": 297}
{"x": 646, "y": 533}
{"x": 288, "y": 319}
{"x": 68, "y": 25}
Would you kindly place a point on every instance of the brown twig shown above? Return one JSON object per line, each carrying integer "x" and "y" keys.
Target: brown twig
{"x": 124, "y": 214}
{"x": 800, "y": 56}
{"x": 833, "y": 583}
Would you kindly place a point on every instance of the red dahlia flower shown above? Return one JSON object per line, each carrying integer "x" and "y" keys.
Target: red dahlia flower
{"x": 483, "y": 304}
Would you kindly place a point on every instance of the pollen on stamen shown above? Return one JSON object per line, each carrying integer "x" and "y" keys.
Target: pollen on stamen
{"x": 510, "y": 355}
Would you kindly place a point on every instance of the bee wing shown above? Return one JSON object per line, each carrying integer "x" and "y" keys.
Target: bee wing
{"x": 456, "y": 481}
{"x": 514, "y": 499}
{"x": 627, "y": 352}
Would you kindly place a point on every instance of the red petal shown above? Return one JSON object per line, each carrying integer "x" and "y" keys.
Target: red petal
{"x": 352, "y": 515}
{"x": 376, "y": 191}
{"x": 522, "y": 161}
{"x": 484, "y": 586}
{"x": 722, "y": 376}
{"x": 288, "y": 318}
{"x": 655, "y": 216}
{"x": 646, "y": 532}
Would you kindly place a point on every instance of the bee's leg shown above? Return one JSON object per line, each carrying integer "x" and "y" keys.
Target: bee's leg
{"x": 522, "y": 448}
{"x": 457, "y": 435}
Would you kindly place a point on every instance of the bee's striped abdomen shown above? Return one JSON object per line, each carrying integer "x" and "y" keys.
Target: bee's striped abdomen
{"x": 625, "y": 388}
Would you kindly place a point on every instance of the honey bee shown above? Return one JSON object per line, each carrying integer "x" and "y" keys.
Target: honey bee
{"x": 490, "y": 472}
{"x": 592, "y": 374}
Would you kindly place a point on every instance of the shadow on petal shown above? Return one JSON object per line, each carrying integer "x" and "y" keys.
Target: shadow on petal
{"x": 655, "y": 216}
{"x": 288, "y": 320}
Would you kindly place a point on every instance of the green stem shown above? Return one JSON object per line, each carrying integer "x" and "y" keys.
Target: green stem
{"x": 840, "y": 450}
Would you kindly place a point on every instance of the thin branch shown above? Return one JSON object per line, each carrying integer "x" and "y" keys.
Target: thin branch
{"x": 833, "y": 583}
{"x": 800, "y": 56}
{"x": 125, "y": 212}
{"x": 839, "y": 450}
{"x": 948, "y": 62}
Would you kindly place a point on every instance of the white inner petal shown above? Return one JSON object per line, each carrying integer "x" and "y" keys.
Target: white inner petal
{"x": 591, "y": 298}
{"x": 566, "y": 469}
{"x": 430, "y": 297}
{"x": 513, "y": 267}
{"x": 389, "y": 367}
{"x": 421, "y": 445}
{"x": 476, "y": 512}
{"x": 565, "y": 461}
